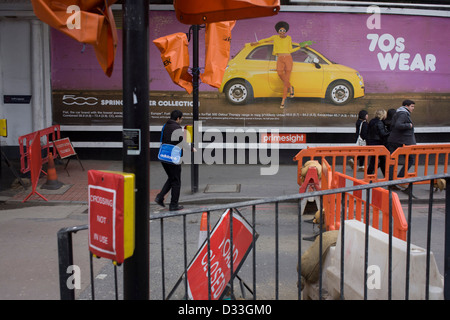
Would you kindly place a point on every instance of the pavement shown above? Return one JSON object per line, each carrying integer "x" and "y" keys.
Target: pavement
{"x": 28, "y": 251}
{"x": 217, "y": 184}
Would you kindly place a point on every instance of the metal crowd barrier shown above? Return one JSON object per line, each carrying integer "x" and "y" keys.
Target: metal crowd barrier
{"x": 66, "y": 258}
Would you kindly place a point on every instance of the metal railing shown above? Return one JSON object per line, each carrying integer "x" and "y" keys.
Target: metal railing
{"x": 172, "y": 273}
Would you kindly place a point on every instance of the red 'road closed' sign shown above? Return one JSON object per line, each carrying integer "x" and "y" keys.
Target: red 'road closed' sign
{"x": 220, "y": 257}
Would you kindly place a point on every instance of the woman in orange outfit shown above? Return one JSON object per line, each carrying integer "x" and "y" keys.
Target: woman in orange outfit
{"x": 282, "y": 48}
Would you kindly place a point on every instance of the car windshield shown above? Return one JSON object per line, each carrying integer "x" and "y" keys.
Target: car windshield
{"x": 303, "y": 55}
{"x": 237, "y": 53}
{"x": 321, "y": 59}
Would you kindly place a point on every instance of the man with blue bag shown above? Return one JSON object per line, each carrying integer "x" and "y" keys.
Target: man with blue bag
{"x": 170, "y": 153}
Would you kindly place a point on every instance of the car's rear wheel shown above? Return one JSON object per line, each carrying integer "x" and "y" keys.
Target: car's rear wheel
{"x": 239, "y": 92}
{"x": 340, "y": 92}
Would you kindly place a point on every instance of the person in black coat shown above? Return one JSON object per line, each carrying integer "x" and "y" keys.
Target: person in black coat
{"x": 377, "y": 136}
{"x": 362, "y": 124}
{"x": 173, "y": 171}
{"x": 402, "y": 132}
{"x": 388, "y": 122}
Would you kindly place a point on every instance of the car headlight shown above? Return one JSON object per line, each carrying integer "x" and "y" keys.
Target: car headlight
{"x": 361, "y": 83}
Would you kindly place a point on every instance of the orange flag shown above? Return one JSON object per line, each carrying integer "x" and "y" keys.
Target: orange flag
{"x": 217, "y": 43}
{"x": 87, "y": 21}
{"x": 175, "y": 57}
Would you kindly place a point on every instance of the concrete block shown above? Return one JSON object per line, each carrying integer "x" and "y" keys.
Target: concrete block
{"x": 378, "y": 259}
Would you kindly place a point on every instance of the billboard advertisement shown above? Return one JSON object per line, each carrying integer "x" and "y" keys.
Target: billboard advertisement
{"x": 354, "y": 61}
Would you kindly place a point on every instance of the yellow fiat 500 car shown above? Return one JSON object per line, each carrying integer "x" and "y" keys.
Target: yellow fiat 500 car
{"x": 252, "y": 74}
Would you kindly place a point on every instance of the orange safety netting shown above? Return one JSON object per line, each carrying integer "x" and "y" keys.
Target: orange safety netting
{"x": 217, "y": 42}
{"x": 175, "y": 56}
{"x": 87, "y": 21}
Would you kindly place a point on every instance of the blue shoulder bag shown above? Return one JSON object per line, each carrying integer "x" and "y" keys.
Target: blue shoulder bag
{"x": 168, "y": 152}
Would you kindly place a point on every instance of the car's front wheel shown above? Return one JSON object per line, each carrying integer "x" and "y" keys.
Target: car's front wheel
{"x": 239, "y": 92}
{"x": 340, "y": 92}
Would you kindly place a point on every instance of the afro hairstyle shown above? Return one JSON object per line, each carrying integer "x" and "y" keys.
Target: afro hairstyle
{"x": 282, "y": 24}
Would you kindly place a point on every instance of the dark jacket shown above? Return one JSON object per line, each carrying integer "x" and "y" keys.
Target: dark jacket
{"x": 377, "y": 132}
{"x": 402, "y": 128}
{"x": 169, "y": 128}
{"x": 364, "y": 129}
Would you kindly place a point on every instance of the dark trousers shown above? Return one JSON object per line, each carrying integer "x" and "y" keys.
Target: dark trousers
{"x": 381, "y": 165}
{"x": 411, "y": 160}
{"x": 173, "y": 183}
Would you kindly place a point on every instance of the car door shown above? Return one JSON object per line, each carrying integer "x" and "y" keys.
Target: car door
{"x": 306, "y": 77}
{"x": 255, "y": 68}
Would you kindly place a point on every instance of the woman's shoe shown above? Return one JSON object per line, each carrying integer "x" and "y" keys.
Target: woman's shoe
{"x": 282, "y": 106}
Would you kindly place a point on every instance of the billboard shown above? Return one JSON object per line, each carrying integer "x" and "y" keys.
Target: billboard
{"x": 383, "y": 54}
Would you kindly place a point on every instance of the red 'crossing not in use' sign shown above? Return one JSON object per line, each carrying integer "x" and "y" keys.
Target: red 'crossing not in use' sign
{"x": 111, "y": 214}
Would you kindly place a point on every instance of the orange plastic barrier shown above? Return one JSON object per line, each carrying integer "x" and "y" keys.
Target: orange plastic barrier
{"x": 435, "y": 156}
{"x": 355, "y": 204}
{"x": 46, "y": 138}
{"x": 435, "y": 159}
{"x": 343, "y": 154}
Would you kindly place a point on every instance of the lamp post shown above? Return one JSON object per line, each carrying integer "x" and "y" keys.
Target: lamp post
{"x": 195, "y": 82}
{"x": 136, "y": 138}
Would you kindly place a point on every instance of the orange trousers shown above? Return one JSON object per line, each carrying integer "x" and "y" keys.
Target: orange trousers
{"x": 284, "y": 70}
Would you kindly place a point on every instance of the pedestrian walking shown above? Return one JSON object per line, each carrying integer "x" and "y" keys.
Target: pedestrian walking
{"x": 402, "y": 133}
{"x": 173, "y": 171}
{"x": 377, "y": 136}
{"x": 388, "y": 121}
{"x": 362, "y": 130}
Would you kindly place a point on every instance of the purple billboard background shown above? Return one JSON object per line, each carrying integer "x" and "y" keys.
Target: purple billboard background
{"x": 391, "y": 64}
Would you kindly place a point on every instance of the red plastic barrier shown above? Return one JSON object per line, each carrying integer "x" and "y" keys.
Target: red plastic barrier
{"x": 46, "y": 138}
{"x": 36, "y": 164}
